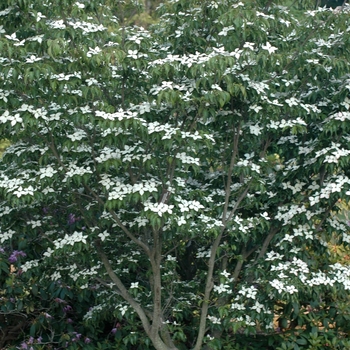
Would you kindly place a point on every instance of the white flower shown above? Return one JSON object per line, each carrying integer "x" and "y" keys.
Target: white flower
{"x": 269, "y": 48}
{"x": 258, "y": 307}
{"x": 214, "y": 319}
{"x": 94, "y": 51}
{"x": 47, "y": 172}
{"x": 79, "y": 5}
{"x": 24, "y": 191}
{"x": 12, "y": 37}
{"x": 49, "y": 252}
{"x": 34, "y": 223}
{"x": 39, "y": 16}
{"x": 134, "y": 285}
{"x": 255, "y": 129}
{"x": 104, "y": 235}
{"x": 255, "y": 108}
{"x": 249, "y": 45}
{"x": 55, "y": 276}
{"x": 7, "y": 117}
{"x": 225, "y": 274}
{"x": 6, "y": 235}
{"x": 132, "y": 54}
{"x": 159, "y": 208}
{"x": 170, "y": 258}
{"x": 222, "y": 288}
{"x": 123, "y": 309}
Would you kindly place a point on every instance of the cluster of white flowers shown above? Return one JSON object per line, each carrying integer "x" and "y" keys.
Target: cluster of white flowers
{"x": 108, "y": 153}
{"x": 270, "y": 256}
{"x": 223, "y": 288}
{"x": 168, "y": 129}
{"x": 248, "y": 292}
{"x": 140, "y": 221}
{"x": 295, "y": 267}
{"x": 296, "y": 188}
{"x": 48, "y": 171}
{"x": 94, "y": 309}
{"x": 303, "y": 231}
{"x": 66, "y": 77}
{"x": 87, "y": 27}
{"x": 4, "y": 94}
{"x": 6, "y": 235}
{"x": 20, "y": 191}
{"x": 119, "y": 115}
{"x": 29, "y": 264}
{"x": 186, "y": 206}
{"x": 225, "y": 30}
{"x": 332, "y": 186}
{"x": 214, "y": 320}
{"x": 158, "y": 208}
{"x": 14, "y": 119}
{"x": 237, "y": 306}
{"x": 342, "y": 116}
{"x": 187, "y": 159}
{"x": 119, "y": 189}
{"x": 10, "y": 184}
{"x": 77, "y": 136}
{"x": 286, "y": 213}
{"x": 341, "y": 274}
{"x": 145, "y": 186}
{"x": 203, "y": 253}
{"x": 247, "y": 321}
{"x": 94, "y": 51}
{"x": 75, "y": 237}
{"x": 248, "y": 163}
{"x": 243, "y": 225}
{"x": 336, "y": 155}
{"x": 258, "y": 86}
{"x": 56, "y": 24}
{"x": 197, "y": 58}
{"x": 73, "y": 169}
{"x": 282, "y": 287}
{"x": 34, "y": 224}
{"x": 75, "y": 272}
{"x": 320, "y": 278}
{"x": 286, "y": 123}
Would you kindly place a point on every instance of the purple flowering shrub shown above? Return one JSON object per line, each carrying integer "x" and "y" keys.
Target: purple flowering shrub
{"x": 38, "y": 313}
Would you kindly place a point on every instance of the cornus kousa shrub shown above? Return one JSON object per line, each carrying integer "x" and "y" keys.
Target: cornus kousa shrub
{"x": 175, "y": 187}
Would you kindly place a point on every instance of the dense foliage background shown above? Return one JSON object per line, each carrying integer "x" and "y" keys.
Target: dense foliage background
{"x": 175, "y": 180}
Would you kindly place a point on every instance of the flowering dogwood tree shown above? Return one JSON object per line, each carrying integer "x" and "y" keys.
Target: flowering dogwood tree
{"x": 179, "y": 184}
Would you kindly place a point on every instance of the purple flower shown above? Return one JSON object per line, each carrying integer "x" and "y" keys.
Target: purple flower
{"x": 2, "y": 251}
{"x": 67, "y": 308}
{"x": 40, "y": 339}
{"x": 30, "y": 340}
{"x": 15, "y": 254}
{"x": 72, "y": 219}
{"x": 12, "y": 259}
{"x": 114, "y": 331}
{"x": 87, "y": 340}
{"x": 24, "y": 346}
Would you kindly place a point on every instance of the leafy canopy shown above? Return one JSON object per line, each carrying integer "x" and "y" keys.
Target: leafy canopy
{"x": 176, "y": 187}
